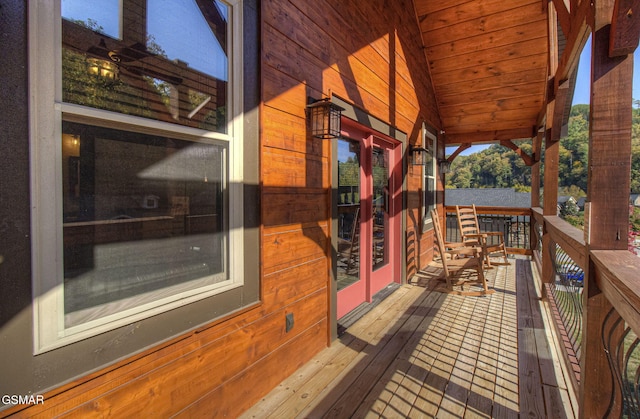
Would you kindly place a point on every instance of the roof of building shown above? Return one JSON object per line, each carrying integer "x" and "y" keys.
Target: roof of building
{"x": 490, "y": 197}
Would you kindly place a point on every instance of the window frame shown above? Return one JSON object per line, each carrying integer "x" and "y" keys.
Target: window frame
{"x": 430, "y": 142}
{"x": 47, "y": 111}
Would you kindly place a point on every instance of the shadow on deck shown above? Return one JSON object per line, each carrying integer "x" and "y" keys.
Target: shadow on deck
{"x": 421, "y": 353}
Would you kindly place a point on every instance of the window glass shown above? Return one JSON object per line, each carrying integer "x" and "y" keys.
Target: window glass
{"x": 380, "y": 204}
{"x": 132, "y": 138}
{"x": 170, "y": 63}
{"x": 142, "y": 213}
{"x": 202, "y": 44}
{"x": 348, "y": 212}
{"x": 102, "y": 16}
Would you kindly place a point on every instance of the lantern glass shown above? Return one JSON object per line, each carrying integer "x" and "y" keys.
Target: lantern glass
{"x": 445, "y": 166}
{"x": 324, "y": 119}
{"x": 420, "y": 156}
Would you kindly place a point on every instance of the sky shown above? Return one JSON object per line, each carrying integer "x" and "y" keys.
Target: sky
{"x": 582, "y": 90}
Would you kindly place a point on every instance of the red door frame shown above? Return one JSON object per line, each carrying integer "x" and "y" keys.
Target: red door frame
{"x": 373, "y": 281}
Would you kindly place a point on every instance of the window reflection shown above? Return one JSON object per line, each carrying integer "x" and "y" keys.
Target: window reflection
{"x": 142, "y": 213}
{"x": 102, "y": 16}
{"x": 381, "y": 187}
{"x": 348, "y": 212}
{"x": 164, "y": 60}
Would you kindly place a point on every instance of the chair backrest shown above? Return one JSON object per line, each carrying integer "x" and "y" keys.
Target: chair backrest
{"x": 439, "y": 240}
{"x": 467, "y": 221}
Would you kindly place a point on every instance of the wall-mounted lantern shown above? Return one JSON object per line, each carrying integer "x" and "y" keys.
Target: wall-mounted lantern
{"x": 324, "y": 119}
{"x": 419, "y": 156}
{"x": 445, "y": 166}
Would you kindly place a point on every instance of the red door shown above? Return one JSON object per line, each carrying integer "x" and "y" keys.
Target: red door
{"x": 369, "y": 208}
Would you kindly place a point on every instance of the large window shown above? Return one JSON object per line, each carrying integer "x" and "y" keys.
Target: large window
{"x": 137, "y": 157}
{"x": 429, "y": 139}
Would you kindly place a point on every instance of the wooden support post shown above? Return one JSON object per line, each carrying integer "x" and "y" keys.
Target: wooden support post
{"x": 535, "y": 170}
{"x": 625, "y": 28}
{"x": 550, "y": 201}
{"x": 535, "y": 187}
{"x": 608, "y": 189}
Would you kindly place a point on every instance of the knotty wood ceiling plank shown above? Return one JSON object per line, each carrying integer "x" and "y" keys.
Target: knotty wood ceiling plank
{"x": 506, "y": 117}
{"x": 424, "y": 7}
{"x": 501, "y": 93}
{"x": 470, "y": 11}
{"x": 532, "y": 102}
{"x": 516, "y": 52}
{"x": 488, "y": 60}
{"x": 467, "y": 81}
{"x": 486, "y": 24}
{"x": 481, "y": 42}
{"x": 496, "y": 69}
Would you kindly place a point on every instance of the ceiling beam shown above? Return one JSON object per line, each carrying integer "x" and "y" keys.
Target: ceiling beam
{"x": 459, "y": 150}
{"x": 489, "y": 137}
{"x": 559, "y": 108}
{"x": 563, "y": 15}
{"x": 537, "y": 146}
{"x": 528, "y": 160}
{"x": 581, "y": 19}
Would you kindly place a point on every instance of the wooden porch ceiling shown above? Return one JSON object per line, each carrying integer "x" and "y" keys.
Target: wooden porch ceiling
{"x": 489, "y": 65}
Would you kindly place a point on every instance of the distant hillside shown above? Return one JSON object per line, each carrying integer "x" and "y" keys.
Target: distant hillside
{"x": 500, "y": 167}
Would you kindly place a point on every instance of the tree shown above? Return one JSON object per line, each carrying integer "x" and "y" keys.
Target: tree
{"x": 498, "y": 166}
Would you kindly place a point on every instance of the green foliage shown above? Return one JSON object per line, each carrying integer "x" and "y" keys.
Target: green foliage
{"x": 575, "y": 220}
{"x": 572, "y": 191}
{"x": 634, "y": 219}
{"x": 500, "y": 167}
{"x": 349, "y": 173}
{"x": 569, "y": 209}
{"x": 495, "y": 167}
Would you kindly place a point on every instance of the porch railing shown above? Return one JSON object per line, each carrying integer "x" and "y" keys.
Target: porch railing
{"x": 514, "y": 223}
{"x": 611, "y": 302}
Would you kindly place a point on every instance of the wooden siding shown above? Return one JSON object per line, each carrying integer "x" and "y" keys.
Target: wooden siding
{"x": 367, "y": 53}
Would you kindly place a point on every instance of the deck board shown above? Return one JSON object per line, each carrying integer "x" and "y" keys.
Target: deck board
{"x": 422, "y": 353}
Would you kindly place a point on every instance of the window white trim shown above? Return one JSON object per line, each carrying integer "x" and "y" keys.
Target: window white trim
{"x": 430, "y": 142}
{"x": 46, "y": 115}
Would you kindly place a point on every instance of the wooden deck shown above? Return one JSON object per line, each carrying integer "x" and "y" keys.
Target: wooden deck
{"x": 422, "y": 353}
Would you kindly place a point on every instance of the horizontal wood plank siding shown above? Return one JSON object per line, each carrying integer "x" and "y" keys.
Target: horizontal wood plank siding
{"x": 370, "y": 55}
{"x": 365, "y": 53}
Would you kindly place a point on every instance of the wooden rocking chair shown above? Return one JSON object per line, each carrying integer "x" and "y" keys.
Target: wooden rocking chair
{"x": 490, "y": 241}
{"x": 459, "y": 263}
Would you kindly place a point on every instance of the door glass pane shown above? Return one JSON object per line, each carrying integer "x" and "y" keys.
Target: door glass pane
{"x": 166, "y": 60}
{"x": 380, "y": 199}
{"x": 348, "y": 212}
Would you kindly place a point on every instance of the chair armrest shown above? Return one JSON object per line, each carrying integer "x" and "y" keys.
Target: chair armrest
{"x": 454, "y": 245}
{"x": 476, "y": 235}
{"x": 493, "y": 233}
{"x": 465, "y": 251}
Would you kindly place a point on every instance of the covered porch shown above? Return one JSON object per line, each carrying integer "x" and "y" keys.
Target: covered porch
{"x": 423, "y": 353}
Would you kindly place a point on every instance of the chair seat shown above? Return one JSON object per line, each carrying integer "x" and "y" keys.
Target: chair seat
{"x": 458, "y": 259}
{"x": 472, "y": 235}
